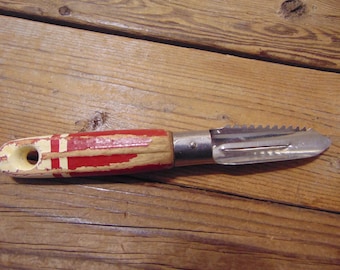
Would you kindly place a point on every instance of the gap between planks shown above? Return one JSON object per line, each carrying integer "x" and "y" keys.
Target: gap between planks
{"x": 158, "y": 39}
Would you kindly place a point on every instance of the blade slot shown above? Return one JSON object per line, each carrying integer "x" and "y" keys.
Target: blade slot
{"x": 252, "y": 149}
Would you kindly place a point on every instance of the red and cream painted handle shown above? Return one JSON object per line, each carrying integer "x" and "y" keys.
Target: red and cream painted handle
{"x": 87, "y": 154}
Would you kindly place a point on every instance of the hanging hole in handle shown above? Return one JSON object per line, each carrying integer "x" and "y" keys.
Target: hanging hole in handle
{"x": 32, "y": 157}
{"x": 25, "y": 157}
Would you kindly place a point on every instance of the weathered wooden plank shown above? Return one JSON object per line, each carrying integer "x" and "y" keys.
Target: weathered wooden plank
{"x": 58, "y": 79}
{"x": 101, "y": 224}
{"x": 301, "y": 32}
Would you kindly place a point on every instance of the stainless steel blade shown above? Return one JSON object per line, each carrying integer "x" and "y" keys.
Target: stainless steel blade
{"x": 247, "y": 145}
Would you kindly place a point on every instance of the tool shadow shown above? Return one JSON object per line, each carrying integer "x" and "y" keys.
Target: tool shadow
{"x": 168, "y": 176}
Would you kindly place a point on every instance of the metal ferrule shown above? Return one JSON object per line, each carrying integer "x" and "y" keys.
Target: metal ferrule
{"x": 192, "y": 148}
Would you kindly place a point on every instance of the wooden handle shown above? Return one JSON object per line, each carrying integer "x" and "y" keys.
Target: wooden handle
{"x": 88, "y": 154}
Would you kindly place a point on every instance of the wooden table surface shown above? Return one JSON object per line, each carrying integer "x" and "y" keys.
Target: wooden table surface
{"x": 70, "y": 66}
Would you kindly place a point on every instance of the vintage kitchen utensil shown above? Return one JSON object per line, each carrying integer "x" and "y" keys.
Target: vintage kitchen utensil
{"x": 133, "y": 151}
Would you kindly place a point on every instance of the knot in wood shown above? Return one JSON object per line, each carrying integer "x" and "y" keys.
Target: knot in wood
{"x": 292, "y": 8}
{"x": 64, "y": 11}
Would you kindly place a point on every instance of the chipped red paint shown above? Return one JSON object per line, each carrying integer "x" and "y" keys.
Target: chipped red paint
{"x": 33, "y": 141}
{"x": 83, "y": 143}
{"x": 98, "y": 161}
{"x": 55, "y": 143}
{"x": 19, "y": 142}
{"x": 80, "y": 154}
{"x": 55, "y": 163}
{"x": 137, "y": 132}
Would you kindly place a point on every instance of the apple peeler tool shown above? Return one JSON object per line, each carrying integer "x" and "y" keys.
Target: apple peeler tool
{"x": 133, "y": 151}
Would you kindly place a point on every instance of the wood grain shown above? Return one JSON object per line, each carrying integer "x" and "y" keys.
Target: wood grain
{"x": 103, "y": 223}
{"x": 54, "y": 78}
{"x": 59, "y": 80}
{"x": 298, "y": 32}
